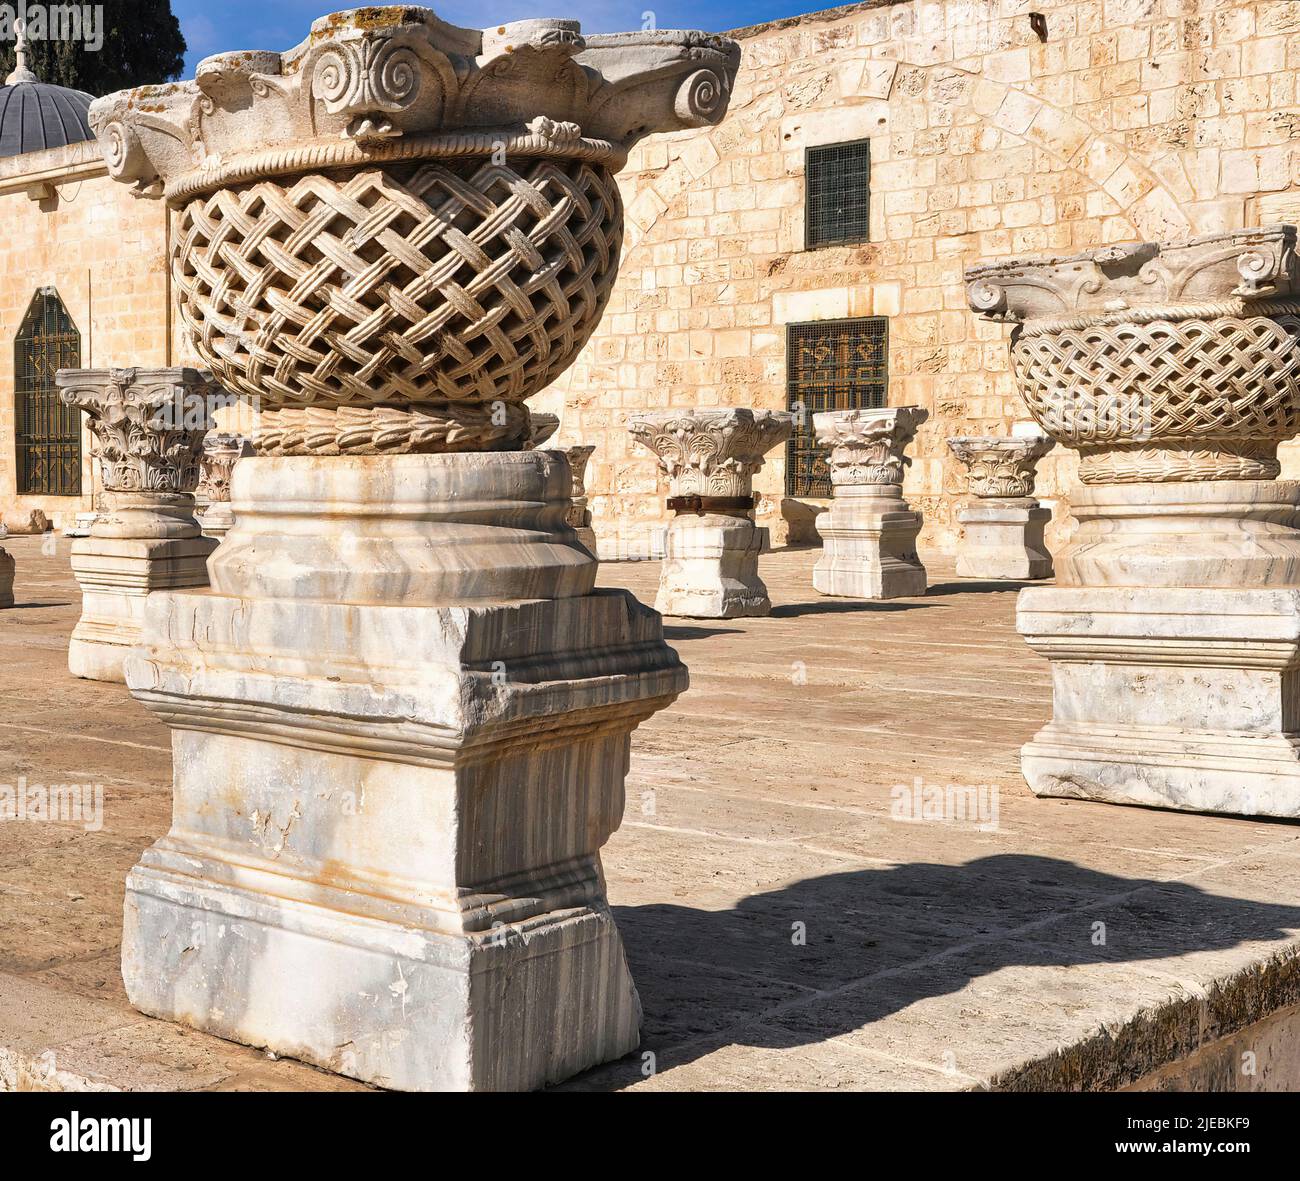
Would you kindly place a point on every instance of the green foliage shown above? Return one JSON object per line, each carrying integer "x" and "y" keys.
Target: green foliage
{"x": 142, "y": 43}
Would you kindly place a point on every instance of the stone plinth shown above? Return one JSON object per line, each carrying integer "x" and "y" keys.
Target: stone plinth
{"x": 148, "y": 426}
{"x": 1002, "y": 526}
{"x": 401, "y": 715}
{"x": 221, "y": 451}
{"x": 1174, "y": 630}
{"x": 710, "y": 568}
{"x": 869, "y": 532}
{"x": 413, "y": 835}
{"x": 7, "y": 566}
{"x": 579, "y": 514}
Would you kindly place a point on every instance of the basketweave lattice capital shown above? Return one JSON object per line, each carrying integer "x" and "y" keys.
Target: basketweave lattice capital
{"x": 399, "y": 216}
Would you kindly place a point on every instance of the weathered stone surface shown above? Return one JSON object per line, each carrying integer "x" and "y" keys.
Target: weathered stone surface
{"x": 579, "y": 517}
{"x": 710, "y": 568}
{"x": 148, "y": 426}
{"x": 1172, "y": 633}
{"x": 869, "y": 532}
{"x": 7, "y": 567}
{"x": 1002, "y": 528}
{"x": 25, "y": 521}
{"x": 400, "y": 124}
{"x": 401, "y": 716}
{"x": 939, "y": 955}
{"x": 221, "y": 451}
{"x": 393, "y": 840}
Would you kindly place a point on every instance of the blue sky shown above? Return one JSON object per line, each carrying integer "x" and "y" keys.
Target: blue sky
{"x": 215, "y": 26}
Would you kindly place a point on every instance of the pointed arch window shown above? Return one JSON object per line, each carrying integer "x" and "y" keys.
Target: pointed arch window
{"x": 47, "y": 433}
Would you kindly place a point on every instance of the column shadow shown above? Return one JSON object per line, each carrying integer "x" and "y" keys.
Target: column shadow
{"x": 878, "y": 940}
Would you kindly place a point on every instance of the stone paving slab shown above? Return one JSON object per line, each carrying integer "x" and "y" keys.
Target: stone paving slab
{"x": 785, "y": 929}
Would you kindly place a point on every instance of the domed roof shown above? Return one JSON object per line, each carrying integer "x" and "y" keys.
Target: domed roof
{"x": 35, "y": 115}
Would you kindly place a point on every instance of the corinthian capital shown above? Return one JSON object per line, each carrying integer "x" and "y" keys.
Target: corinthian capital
{"x": 148, "y": 424}
{"x": 711, "y": 452}
{"x": 867, "y": 446}
{"x": 1000, "y": 467}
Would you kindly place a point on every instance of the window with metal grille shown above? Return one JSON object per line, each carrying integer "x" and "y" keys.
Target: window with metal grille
{"x": 48, "y": 433}
{"x": 837, "y": 179}
{"x": 830, "y": 365}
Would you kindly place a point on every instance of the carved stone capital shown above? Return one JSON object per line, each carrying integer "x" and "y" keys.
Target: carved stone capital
{"x": 398, "y": 83}
{"x": 148, "y": 424}
{"x": 579, "y": 515}
{"x": 220, "y": 452}
{"x": 446, "y": 222}
{"x": 867, "y": 446}
{"x": 711, "y": 452}
{"x": 1001, "y": 467}
{"x": 1249, "y": 264}
{"x": 1159, "y": 363}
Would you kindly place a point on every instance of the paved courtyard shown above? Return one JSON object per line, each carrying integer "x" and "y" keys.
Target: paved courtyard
{"x": 785, "y": 929}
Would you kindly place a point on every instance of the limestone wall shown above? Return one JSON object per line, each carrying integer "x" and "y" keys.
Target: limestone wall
{"x": 104, "y": 250}
{"x": 1134, "y": 118}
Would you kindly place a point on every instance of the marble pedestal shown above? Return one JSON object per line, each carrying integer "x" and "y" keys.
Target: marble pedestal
{"x": 710, "y": 568}
{"x": 401, "y": 724}
{"x": 869, "y": 545}
{"x": 1004, "y": 539}
{"x": 7, "y": 566}
{"x": 119, "y": 566}
{"x": 712, "y": 545}
{"x": 1175, "y": 649}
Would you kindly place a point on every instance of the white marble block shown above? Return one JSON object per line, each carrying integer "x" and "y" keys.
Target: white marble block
{"x": 711, "y": 550}
{"x": 148, "y": 426}
{"x": 401, "y": 714}
{"x": 384, "y": 857}
{"x": 1174, "y": 628}
{"x": 1002, "y": 525}
{"x": 869, "y": 532}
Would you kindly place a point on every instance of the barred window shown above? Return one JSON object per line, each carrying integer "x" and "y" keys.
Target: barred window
{"x": 838, "y": 183}
{"x": 47, "y": 433}
{"x": 830, "y": 365}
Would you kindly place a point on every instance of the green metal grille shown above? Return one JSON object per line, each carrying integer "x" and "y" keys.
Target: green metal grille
{"x": 48, "y": 433}
{"x": 837, "y": 179}
{"x": 830, "y": 365}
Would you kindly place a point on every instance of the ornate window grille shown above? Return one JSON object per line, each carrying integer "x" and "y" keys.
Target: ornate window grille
{"x": 48, "y": 433}
{"x": 830, "y": 365}
{"x": 837, "y": 178}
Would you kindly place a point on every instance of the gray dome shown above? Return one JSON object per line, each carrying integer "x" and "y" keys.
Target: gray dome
{"x": 35, "y": 116}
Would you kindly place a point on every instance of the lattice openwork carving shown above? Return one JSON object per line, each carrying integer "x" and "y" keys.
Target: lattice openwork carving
{"x": 450, "y": 281}
{"x": 1222, "y": 392}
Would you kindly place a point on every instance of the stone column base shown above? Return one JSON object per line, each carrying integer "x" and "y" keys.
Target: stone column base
{"x": 400, "y": 726}
{"x": 868, "y": 554}
{"x": 1173, "y": 698}
{"x": 1003, "y": 539}
{"x": 7, "y": 567}
{"x": 388, "y": 865}
{"x": 116, "y": 576}
{"x": 710, "y": 568}
{"x": 587, "y": 536}
{"x": 216, "y": 521}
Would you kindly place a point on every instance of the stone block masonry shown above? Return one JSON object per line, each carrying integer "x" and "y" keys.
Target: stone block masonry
{"x": 1133, "y": 119}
